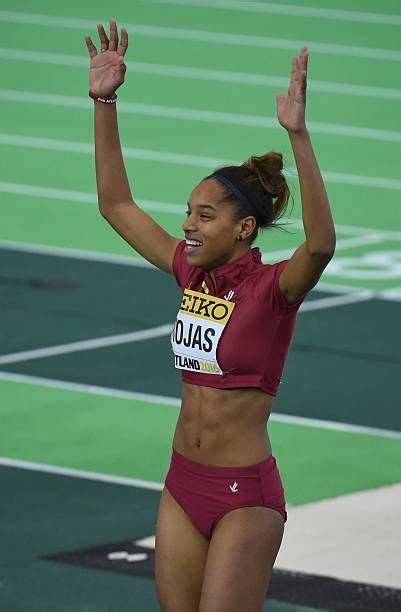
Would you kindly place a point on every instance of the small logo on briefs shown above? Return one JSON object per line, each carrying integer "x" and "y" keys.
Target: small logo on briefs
{"x": 234, "y": 487}
{"x": 229, "y": 295}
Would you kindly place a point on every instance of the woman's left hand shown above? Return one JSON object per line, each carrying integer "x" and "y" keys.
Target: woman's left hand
{"x": 291, "y": 108}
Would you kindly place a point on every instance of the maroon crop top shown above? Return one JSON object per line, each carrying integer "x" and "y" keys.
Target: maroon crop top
{"x": 234, "y": 327}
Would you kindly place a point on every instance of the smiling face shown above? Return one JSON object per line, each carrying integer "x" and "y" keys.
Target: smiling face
{"x": 212, "y": 223}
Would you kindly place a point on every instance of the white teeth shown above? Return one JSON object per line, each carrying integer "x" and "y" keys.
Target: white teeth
{"x": 193, "y": 242}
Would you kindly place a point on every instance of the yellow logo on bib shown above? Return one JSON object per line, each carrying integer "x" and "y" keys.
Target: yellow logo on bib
{"x": 209, "y": 307}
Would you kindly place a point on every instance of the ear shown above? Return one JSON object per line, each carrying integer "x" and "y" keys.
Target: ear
{"x": 248, "y": 225}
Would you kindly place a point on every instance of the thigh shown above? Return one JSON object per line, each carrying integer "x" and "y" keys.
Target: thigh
{"x": 242, "y": 551}
{"x": 180, "y": 557}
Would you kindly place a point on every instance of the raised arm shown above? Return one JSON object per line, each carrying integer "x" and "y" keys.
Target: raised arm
{"x": 107, "y": 72}
{"x": 308, "y": 262}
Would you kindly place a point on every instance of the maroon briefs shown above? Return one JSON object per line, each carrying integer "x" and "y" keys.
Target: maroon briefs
{"x": 207, "y": 493}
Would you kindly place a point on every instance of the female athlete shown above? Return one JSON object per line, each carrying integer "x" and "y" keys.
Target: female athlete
{"x": 222, "y": 510}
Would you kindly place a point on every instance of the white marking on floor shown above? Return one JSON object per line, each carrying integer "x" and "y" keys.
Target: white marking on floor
{"x": 360, "y": 293}
{"x": 90, "y": 389}
{"x": 341, "y": 244}
{"x": 176, "y": 402}
{"x": 64, "y": 146}
{"x": 219, "y": 38}
{"x": 87, "y": 345}
{"x": 54, "y": 251}
{"x": 84, "y": 197}
{"x": 192, "y": 114}
{"x": 392, "y": 294}
{"x": 354, "y": 537}
{"x": 148, "y": 542}
{"x": 135, "y": 261}
{"x": 292, "y": 10}
{"x": 159, "y": 331}
{"x": 97, "y": 476}
{"x": 333, "y": 302}
{"x": 208, "y": 74}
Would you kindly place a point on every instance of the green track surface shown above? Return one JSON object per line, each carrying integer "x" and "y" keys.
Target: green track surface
{"x": 344, "y": 362}
{"x": 133, "y": 438}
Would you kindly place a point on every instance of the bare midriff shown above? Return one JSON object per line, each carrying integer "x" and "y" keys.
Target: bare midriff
{"x": 223, "y": 427}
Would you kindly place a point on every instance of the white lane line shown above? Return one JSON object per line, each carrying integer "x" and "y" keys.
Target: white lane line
{"x": 352, "y": 230}
{"x": 333, "y": 425}
{"x": 329, "y": 288}
{"x": 394, "y": 295}
{"x": 290, "y": 9}
{"x": 341, "y": 300}
{"x": 87, "y": 345}
{"x": 54, "y": 251}
{"x": 176, "y": 402}
{"x": 190, "y": 114}
{"x": 352, "y": 537}
{"x": 220, "y": 38}
{"x": 197, "y": 161}
{"x": 208, "y": 74}
{"x": 97, "y": 476}
{"x": 342, "y": 244}
{"x": 133, "y": 261}
{"x": 90, "y": 389}
{"x": 84, "y": 197}
{"x": 64, "y": 146}
{"x": 388, "y": 294}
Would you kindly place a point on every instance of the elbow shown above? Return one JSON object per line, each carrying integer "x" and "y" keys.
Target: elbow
{"x": 110, "y": 208}
{"x": 324, "y": 251}
{"x": 324, "y": 248}
{"x": 103, "y": 211}
{"x": 105, "y": 208}
{"x": 102, "y": 206}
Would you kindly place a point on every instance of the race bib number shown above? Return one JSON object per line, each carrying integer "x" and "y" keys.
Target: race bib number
{"x": 195, "y": 337}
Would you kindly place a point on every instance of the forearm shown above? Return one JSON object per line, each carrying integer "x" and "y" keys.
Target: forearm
{"x": 316, "y": 215}
{"x": 112, "y": 182}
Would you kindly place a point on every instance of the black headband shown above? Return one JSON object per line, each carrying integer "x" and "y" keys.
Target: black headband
{"x": 238, "y": 194}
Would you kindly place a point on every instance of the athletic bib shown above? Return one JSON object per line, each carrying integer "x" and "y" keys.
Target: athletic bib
{"x": 195, "y": 337}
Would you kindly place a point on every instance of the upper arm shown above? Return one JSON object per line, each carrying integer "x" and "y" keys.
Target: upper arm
{"x": 143, "y": 234}
{"x": 302, "y": 272}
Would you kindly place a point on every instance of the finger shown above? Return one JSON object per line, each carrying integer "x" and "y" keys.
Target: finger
{"x": 123, "y": 46}
{"x": 304, "y": 56}
{"x": 280, "y": 98}
{"x": 113, "y": 44}
{"x": 91, "y": 46}
{"x": 294, "y": 77}
{"x": 303, "y": 82}
{"x": 294, "y": 67}
{"x": 104, "y": 41}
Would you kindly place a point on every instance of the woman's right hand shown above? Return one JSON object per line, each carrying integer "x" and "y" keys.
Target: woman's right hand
{"x": 107, "y": 68}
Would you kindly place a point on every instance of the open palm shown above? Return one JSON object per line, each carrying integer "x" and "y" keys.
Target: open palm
{"x": 107, "y": 68}
{"x": 291, "y": 108}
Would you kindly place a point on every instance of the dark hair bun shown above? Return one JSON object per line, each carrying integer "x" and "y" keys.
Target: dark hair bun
{"x": 268, "y": 169}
